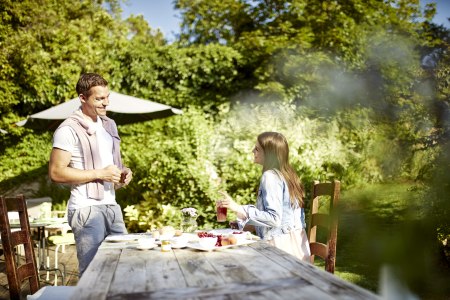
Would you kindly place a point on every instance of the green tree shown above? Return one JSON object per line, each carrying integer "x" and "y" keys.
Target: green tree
{"x": 45, "y": 47}
{"x": 204, "y": 76}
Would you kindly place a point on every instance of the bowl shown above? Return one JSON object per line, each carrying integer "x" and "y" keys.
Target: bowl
{"x": 166, "y": 233}
{"x": 179, "y": 241}
{"x": 145, "y": 242}
{"x": 156, "y": 234}
{"x": 207, "y": 242}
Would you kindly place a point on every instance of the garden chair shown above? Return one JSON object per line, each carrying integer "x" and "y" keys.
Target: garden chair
{"x": 18, "y": 272}
{"x": 60, "y": 241}
{"x": 325, "y": 223}
{"x": 61, "y": 236}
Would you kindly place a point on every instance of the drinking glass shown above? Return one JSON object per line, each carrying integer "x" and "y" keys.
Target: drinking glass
{"x": 221, "y": 212}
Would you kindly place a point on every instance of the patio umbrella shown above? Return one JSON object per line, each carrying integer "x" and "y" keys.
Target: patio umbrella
{"x": 122, "y": 108}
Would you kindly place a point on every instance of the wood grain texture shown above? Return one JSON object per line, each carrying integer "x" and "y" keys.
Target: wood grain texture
{"x": 96, "y": 283}
{"x": 324, "y": 222}
{"x": 27, "y": 271}
{"x": 256, "y": 271}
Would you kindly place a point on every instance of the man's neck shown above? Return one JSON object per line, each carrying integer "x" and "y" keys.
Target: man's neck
{"x": 88, "y": 118}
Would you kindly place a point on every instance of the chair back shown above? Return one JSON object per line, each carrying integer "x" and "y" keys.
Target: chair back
{"x": 17, "y": 272}
{"x": 324, "y": 221}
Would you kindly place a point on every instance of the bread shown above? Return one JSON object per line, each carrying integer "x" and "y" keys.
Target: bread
{"x": 232, "y": 239}
{"x": 225, "y": 242}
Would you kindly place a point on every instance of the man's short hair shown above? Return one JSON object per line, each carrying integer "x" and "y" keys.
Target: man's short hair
{"x": 89, "y": 80}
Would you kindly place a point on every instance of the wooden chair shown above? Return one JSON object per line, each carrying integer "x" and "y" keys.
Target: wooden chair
{"x": 18, "y": 273}
{"x": 326, "y": 221}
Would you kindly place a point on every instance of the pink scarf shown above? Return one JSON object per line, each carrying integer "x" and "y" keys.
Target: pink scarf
{"x": 91, "y": 154}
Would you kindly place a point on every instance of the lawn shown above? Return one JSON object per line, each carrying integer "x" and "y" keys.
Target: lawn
{"x": 384, "y": 223}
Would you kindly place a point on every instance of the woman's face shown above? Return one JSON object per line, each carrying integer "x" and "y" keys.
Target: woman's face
{"x": 258, "y": 154}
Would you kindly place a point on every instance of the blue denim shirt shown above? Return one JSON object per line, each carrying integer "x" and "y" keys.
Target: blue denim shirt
{"x": 273, "y": 214}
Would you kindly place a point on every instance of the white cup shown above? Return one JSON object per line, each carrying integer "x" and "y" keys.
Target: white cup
{"x": 146, "y": 242}
{"x": 179, "y": 241}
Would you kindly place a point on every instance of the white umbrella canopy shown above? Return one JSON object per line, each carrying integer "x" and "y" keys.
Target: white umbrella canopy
{"x": 122, "y": 108}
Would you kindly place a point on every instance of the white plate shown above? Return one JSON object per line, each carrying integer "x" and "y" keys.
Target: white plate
{"x": 224, "y": 231}
{"x": 227, "y": 231}
{"x": 240, "y": 235}
{"x": 122, "y": 238}
{"x": 197, "y": 246}
{"x": 146, "y": 247}
{"x": 179, "y": 246}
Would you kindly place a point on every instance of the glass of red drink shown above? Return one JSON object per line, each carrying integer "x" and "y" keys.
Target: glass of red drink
{"x": 221, "y": 212}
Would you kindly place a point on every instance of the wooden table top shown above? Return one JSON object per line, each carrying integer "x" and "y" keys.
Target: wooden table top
{"x": 255, "y": 271}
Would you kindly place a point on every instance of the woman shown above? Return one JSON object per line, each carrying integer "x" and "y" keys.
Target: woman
{"x": 278, "y": 216}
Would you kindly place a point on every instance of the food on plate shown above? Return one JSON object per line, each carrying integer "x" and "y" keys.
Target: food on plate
{"x": 225, "y": 241}
{"x": 233, "y": 240}
{"x": 221, "y": 239}
{"x": 204, "y": 234}
{"x": 228, "y": 240}
{"x": 178, "y": 232}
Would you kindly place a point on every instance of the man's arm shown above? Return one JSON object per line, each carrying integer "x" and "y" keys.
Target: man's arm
{"x": 60, "y": 172}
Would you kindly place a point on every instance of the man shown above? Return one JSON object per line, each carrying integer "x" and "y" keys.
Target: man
{"x": 86, "y": 154}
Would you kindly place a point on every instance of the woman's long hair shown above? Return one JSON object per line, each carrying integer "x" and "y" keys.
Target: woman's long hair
{"x": 276, "y": 156}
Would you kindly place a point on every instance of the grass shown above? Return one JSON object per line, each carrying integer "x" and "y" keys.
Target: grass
{"x": 386, "y": 201}
{"x": 384, "y": 224}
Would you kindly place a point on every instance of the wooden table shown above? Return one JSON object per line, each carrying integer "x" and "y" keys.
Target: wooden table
{"x": 256, "y": 271}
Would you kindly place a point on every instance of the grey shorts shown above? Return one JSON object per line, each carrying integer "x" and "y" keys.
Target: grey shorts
{"x": 90, "y": 226}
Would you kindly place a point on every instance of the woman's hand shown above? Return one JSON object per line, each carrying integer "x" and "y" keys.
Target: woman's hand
{"x": 229, "y": 203}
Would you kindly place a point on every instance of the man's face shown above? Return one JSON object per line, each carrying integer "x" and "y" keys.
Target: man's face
{"x": 95, "y": 104}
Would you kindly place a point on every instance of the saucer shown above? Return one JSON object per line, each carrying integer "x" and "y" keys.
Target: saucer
{"x": 146, "y": 247}
{"x": 179, "y": 246}
{"x": 175, "y": 245}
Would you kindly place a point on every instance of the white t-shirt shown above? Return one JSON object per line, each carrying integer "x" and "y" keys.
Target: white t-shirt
{"x": 66, "y": 139}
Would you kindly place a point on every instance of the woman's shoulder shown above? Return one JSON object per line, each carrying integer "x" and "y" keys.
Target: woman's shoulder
{"x": 273, "y": 175}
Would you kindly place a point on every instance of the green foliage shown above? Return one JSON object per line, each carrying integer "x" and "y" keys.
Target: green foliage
{"x": 45, "y": 47}
{"x": 198, "y": 75}
{"x": 340, "y": 79}
{"x": 383, "y": 222}
{"x": 183, "y": 161}
{"x": 172, "y": 161}
{"x": 438, "y": 209}
{"x": 25, "y": 161}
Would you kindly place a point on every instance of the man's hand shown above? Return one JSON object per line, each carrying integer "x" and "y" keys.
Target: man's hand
{"x": 126, "y": 176}
{"x": 111, "y": 174}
